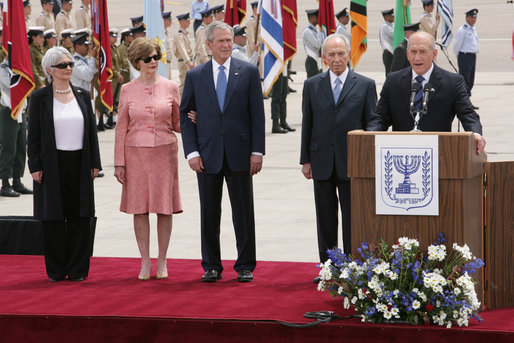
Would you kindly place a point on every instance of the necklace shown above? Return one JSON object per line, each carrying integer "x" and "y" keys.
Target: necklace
{"x": 63, "y": 91}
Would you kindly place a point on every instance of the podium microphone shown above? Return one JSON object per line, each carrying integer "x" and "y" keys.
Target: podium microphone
{"x": 426, "y": 91}
{"x": 414, "y": 90}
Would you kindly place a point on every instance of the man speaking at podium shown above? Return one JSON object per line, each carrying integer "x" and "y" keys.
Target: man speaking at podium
{"x": 434, "y": 93}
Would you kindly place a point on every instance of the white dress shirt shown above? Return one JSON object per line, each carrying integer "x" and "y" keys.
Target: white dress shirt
{"x": 68, "y": 125}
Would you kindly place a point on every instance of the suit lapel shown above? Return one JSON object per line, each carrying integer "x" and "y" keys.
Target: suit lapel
{"x": 208, "y": 82}
{"x": 348, "y": 85}
{"x": 435, "y": 81}
{"x": 233, "y": 79}
{"x": 327, "y": 87}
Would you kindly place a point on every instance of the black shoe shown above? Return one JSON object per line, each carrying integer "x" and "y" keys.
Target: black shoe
{"x": 288, "y": 128}
{"x": 7, "y": 191}
{"x": 211, "y": 276}
{"x": 290, "y": 90}
{"x": 108, "y": 127}
{"x": 76, "y": 279}
{"x": 278, "y": 129}
{"x": 20, "y": 188}
{"x": 474, "y": 107}
{"x": 316, "y": 279}
{"x": 100, "y": 127}
{"x": 100, "y": 174}
{"x": 52, "y": 279}
{"x": 244, "y": 276}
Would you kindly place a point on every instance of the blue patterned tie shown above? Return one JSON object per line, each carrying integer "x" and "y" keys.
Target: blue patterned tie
{"x": 419, "y": 94}
{"x": 337, "y": 89}
{"x": 221, "y": 87}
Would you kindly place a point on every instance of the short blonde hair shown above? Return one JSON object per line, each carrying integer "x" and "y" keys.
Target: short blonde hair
{"x": 140, "y": 48}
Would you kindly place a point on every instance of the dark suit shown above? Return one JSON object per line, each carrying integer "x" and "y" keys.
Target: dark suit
{"x": 225, "y": 140}
{"x": 325, "y": 126}
{"x": 64, "y": 200}
{"x": 400, "y": 60}
{"x": 448, "y": 99}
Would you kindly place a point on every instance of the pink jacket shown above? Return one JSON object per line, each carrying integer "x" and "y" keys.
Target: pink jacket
{"x": 147, "y": 116}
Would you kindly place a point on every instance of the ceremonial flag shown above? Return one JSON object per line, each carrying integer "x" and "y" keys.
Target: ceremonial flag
{"x": 235, "y": 12}
{"x": 16, "y": 48}
{"x": 401, "y": 17}
{"x": 359, "y": 16}
{"x": 152, "y": 18}
{"x": 326, "y": 18}
{"x": 445, "y": 9}
{"x": 272, "y": 37}
{"x": 289, "y": 24}
{"x": 100, "y": 25}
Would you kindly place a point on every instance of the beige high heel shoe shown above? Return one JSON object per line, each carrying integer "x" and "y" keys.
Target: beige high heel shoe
{"x": 145, "y": 276}
{"x": 163, "y": 274}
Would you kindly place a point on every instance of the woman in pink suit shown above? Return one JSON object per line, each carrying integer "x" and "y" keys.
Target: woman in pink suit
{"x": 145, "y": 152}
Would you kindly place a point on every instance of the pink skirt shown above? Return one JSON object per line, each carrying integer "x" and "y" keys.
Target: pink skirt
{"x": 152, "y": 180}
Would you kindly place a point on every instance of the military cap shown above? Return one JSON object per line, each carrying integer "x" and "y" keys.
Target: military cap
{"x": 36, "y": 31}
{"x": 125, "y": 32}
{"x": 50, "y": 33}
{"x": 138, "y": 29}
{"x": 427, "y": 2}
{"x": 343, "y": 13}
{"x": 472, "y": 13}
{"x": 206, "y": 13}
{"x": 47, "y": 2}
{"x": 388, "y": 12}
{"x": 240, "y": 31}
{"x": 254, "y": 3}
{"x": 81, "y": 31}
{"x": 311, "y": 12}
{"x": 113, "y": 32}
{"x": 81, "y": 39}
{"x": 219, "y": 8}
{"x": 184, "y": 16}
{"x": 26, "y": 3}
{"x": 67, "y": 33}
{"x": 136, "y": 20}
{"x": 411, "y": 27}
{"x": 68, "y": 1}
{"x": 166, "y": 15}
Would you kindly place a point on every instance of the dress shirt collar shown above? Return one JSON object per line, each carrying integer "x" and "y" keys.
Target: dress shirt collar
{"x": 341, "y": 77}
{"x": 216, "y": 65}
{"x": 426, "y": 76}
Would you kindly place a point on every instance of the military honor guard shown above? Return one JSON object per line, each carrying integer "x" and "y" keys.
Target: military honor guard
{"x": 385, "y": 36}
{"x": 400, "y": 60}
{"x": 197, "y": 8}
{"x": 251, "y": 28}
{"x": 50, "y": 40}
{"x": 166, "y": 16}
{"x": 117, "y": 79}
{"x": 84, "y": 59}
{"x": 66, "y": 40}
{"x": 137, "y": 21}
{"x": 312, "y": 41}
{"x": 83, "y": 16}
{"x": 46, "y": 17}
{"x": 63, "y": 20}
{"x": 36, "y": 41}
{"x": 219, "y": 12}
{"x": 27, "y": 8}
{"x": 343, "y": 18}
{"x": 466, "y": 49}
{"x": 426, "y": 22}
{"x": 182, "y": 49}
{"x": 126, "y": 40}
{"x": 138, "y": 31}
{"x": 239, "y": 47}
{"x": 202, "y": 52}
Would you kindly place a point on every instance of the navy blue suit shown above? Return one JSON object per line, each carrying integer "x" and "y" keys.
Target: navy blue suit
{"x": 225, "y": 140}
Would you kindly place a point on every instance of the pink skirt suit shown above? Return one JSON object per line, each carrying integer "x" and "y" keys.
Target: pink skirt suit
{"x": 147, "y": 147}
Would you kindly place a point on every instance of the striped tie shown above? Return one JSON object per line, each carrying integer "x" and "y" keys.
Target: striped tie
{"x": 419, "y": 94}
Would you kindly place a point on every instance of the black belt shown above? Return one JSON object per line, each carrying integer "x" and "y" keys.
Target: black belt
{"x": 181, "y": 60}
{"x": 468, "y": 53}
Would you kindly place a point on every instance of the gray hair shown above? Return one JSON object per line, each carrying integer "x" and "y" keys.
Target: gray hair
{"x": 217, "y": 25}
{"x": 52, "y": 57}
{"x": 425, "y": 34}
{"x": 334, "y": 36}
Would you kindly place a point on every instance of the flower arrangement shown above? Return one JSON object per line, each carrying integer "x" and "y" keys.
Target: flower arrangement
{"x": 401, "y": 284}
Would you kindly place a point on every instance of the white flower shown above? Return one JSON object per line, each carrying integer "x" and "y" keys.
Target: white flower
{"x": 436, "y": 252}
{"x": 466, "y": 253}
{"x": 387, "y": 315}
{"x": 416, "y": 304}
{"x": 456, "y": 291}
{"x": 434, "y": 281}
{"x": 345, "y": 273}
{"x": 325, "y": 273}
{"x": 406, "y": 243}
{"x": 462, "y": 322}
{"x": 395, "y": 311}
{"x": 340, "y": 290}
{"x": 361, "y": 294}
{"x": 448, "y": 324}
{"x": 346, "y": 304}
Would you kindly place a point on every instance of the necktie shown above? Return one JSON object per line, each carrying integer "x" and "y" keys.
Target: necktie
{"x": 221, "y": 87}
{"x": 337, "y": 90}
{"x": 419, "y": 94}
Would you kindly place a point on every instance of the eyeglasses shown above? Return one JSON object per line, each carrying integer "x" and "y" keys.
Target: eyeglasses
{"x": 155, "y": 57}
{"x": 64, "y": 65}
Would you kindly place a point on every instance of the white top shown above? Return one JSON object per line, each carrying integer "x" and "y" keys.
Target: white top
{"x": 466, "y": 40}
{"x": 68, "y": 125}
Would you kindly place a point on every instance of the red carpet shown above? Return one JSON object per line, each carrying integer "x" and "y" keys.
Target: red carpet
{"x": 112, "y": 297}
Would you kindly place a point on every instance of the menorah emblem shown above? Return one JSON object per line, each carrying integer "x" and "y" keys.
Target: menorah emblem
{"x": 408, "y": 168}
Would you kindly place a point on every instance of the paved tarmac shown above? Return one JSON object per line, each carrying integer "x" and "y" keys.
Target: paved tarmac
{"x": 284, "y": 203}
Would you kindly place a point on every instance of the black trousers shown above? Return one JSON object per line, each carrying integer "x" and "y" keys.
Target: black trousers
{"x": 467, "y": 64}
{"x": 196, "y": 25}
{"x": 240, "y": 191}
{"x": 13, "y": 145}
{"x": 326, "y": 194}
{"x": 67, "y": 242}
{"x": 387, "y": 58}
{"x": 311, "y": 67}
{"x": 278, "y": 99}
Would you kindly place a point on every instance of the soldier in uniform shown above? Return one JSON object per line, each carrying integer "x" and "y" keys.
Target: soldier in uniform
{"x": 46, "y": 17}
{"x": 219, "y": 12}
{"x": 66, "y": 40}
{"x": 126, "y": 40}
{"x": 312, "y": 41}
{"x": 2, "y": 57}
{"x": 239, "y": 47}
{"x": 137, "y": 31}
{"x": 251, "y": 28}
{"x": 50, "y": 40}
{"x": 85, "y": 61}
{"x": 426, "y": 23}
{"x": 83, "y": 16}
{"x": 343, "y": 18}
{"x": 137, "y": 21}
{"x": 400, "y": 60}
{"x": 202, "y": 52}
{"x": 36, "y": 40}
{"x": 166, "y": 16}
{"x": 385, "y": 36}
{"x": 182, "y": 49}
{"x": 63, "y": 19}
{"x": 117, "y": 79}
{"x": 27, "y": 8}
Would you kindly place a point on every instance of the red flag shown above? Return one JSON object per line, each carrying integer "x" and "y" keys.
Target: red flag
{"x": 289, "y": 24}
{"x": 326, "y": 17}
{"x": 100, "y": 25}
{"x": 235, "y": 12}
{"x": 16, "y": 48}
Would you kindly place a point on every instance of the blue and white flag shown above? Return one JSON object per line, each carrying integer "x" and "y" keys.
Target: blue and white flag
{"x": 271, "y": 33}
{"x": 445, "y": 9}
{"x": 155, "y": 30}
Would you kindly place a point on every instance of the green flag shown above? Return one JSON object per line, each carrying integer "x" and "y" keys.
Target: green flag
{"x": 401, "y": 17}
